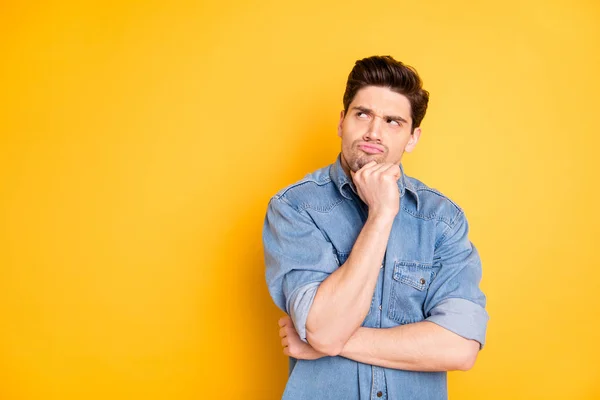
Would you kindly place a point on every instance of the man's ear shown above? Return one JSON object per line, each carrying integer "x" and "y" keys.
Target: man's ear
{"x": 340, "y": 123}
{"x": 412, "y": 142}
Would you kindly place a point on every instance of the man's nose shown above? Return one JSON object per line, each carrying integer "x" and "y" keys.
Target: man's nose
{"x": 374, "y": 131}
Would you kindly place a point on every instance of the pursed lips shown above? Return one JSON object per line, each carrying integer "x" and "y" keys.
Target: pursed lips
{"x": 371, "y": 149}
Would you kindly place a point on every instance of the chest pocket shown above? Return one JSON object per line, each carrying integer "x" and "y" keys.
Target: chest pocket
{"x": 410, "y": 281}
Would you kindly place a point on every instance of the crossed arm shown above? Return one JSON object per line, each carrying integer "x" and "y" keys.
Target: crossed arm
{"x": 422, "y": 346}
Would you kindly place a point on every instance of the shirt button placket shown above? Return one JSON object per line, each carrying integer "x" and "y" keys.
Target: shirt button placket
{"x": 378, "y": 384}
{"x": 380, "y": 304}
{"x": 378, "y": 391}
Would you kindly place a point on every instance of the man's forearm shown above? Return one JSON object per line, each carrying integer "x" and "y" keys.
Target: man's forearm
{"x": 422, "y": 346}
{"x": 343, "y": 299}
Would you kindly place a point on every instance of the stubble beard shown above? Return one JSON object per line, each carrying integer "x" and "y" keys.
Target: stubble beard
{"x": 358, "y": 159}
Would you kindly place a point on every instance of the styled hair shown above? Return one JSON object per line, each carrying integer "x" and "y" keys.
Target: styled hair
{"x": 384, "y": 71}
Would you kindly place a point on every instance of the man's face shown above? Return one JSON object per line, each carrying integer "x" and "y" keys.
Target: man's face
{"x": 376, "y": 127}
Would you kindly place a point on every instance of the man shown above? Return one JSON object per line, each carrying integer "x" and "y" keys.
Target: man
{"x": 374, "y": 268}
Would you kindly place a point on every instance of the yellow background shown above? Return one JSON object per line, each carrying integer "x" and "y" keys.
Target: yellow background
{"x": 140, "y": 142}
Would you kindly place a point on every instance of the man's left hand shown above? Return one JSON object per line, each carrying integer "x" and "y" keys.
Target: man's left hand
{"x": 293, "y": 346}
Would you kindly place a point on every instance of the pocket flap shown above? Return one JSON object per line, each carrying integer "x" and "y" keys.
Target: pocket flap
{"x": 412, "y": 273}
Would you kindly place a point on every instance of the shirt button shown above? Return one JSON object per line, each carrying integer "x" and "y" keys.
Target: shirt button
{"x": 379, "y": 394}
{"x": 422, "y": 281}
{"x": 381, "y": 266}
{"x": 380, "y": 307}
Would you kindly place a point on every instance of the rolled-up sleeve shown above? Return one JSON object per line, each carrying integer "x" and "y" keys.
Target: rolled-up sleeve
{"x": 454, "y": 299}
{"x": 298, "y": 258}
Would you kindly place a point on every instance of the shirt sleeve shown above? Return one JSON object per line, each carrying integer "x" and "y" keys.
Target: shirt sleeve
{"x": 454, "y": 299}
{"x": 298, "y": 258}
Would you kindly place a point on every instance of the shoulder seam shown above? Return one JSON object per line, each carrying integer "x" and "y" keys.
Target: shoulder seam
{"x": 432, "y": 190}
{"x": 451, "y": 225}
{"x": 302, "y": 182}
{"x": 284, "y": 200}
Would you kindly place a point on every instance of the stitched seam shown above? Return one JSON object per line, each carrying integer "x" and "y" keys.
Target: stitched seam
{"x": 447, "y": 221}
{"x": 455, "y": 297}
{"x": 392, "y": 306}
{"x": 404, "y": 321}
{"x": 428, "y": 189}
{"x": 448, "y": 229}
{"x": 306, "y": 206}
{"x": 302, "y": 182}
{"x": 442, "y": 238}
{"x": 322, "y": 210}
{"x": 458, "y": 215}
{"x": 417, "y": 264}
{"x": 411, "y": 282}
{"x": 286, "y": 201}
{"x": 396, "y": 316}
{"x": 308, "y": 217}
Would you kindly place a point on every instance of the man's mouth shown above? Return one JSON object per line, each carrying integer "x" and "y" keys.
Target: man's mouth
{"x": 370, "y": 148}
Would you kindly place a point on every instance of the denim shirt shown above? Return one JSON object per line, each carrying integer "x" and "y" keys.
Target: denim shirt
{"x": 431, "y": 272}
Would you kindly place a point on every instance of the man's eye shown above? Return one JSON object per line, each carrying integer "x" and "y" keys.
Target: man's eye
{"x": 361, "y": 115}
{"x": 393, "y": 122}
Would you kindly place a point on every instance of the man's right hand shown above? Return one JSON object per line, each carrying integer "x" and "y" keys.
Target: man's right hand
{"x": 377, "y": 186}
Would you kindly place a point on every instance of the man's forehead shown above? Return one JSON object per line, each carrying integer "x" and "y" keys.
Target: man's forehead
{"x": 383, "y": 101}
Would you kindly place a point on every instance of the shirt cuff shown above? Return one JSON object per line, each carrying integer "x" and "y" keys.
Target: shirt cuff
{"x": 461, "y": 316}
{"x": 299, "y": 305}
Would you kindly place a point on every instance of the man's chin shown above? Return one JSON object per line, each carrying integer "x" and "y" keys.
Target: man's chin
{"x": 360, "y": 162}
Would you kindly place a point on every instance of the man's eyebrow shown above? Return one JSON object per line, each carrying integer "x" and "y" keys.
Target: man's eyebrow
{"x": 387, "y": 117}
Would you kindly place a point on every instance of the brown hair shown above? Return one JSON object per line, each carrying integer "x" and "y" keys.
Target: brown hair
{"x": 384, "y": 71}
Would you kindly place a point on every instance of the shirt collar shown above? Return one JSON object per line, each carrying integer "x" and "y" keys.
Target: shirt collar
{"x": 344, "y": 182}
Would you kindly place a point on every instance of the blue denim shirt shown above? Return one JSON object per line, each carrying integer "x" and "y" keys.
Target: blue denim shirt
{"x": 431, "y": 271}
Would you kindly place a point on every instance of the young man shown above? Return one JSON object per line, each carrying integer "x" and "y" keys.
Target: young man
{"x": 374, "y": 268}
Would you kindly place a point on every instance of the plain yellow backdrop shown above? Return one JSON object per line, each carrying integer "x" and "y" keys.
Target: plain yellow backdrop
{"x": 140, "y": 142}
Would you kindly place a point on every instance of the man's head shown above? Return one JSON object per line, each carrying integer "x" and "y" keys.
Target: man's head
{"x": 384, "y": 105}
